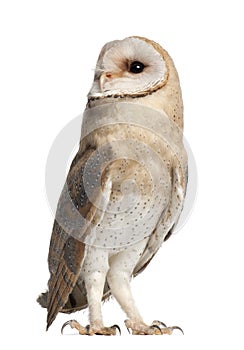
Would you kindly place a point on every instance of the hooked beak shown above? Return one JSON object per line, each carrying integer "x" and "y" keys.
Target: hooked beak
{"x": 106, "y": 77}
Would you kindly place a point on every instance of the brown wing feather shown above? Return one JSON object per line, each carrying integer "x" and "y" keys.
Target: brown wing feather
{"x": 61, "y": 283}
{"x": 66, "y": 252}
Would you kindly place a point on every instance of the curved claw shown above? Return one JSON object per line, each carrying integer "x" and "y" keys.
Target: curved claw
{"x": 176, "y": 327}
{"x": 159, "y": 323}
{"x": 66, "y": 324}
{"x": 156, "y": 326}
{"x": 115, "y": 326}
{"x": 128, "y": 329}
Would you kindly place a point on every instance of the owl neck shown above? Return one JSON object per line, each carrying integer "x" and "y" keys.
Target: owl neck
{"x": 169, "y": 102}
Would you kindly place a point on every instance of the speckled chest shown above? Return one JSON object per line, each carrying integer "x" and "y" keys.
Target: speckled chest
{"x": 130, "y": 172}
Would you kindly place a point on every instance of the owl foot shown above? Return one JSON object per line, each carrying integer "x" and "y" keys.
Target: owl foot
{"x": 157, "y": 328}
{"x": 88, "y": 330}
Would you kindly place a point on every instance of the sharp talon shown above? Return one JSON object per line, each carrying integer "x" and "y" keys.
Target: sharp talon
{"x": 66, "y": 324}
{"x": 115, "y": 326}
{"x": 156, "y": 326}
{"x": 176, "y": 327}
{"x": 88, "y": 329}
{"x": 159, "y": 323}
{"x": 128, "y": 329}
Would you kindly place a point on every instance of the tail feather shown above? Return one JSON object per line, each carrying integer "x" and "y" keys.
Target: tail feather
{"x": 42, "y": 299}
{"x": 77, "y": 299}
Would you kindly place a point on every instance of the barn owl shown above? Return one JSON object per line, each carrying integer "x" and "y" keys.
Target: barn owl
{"x": 125, "y": 188}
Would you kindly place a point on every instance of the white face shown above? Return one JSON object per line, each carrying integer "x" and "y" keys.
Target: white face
{"x": 127, "y": 67}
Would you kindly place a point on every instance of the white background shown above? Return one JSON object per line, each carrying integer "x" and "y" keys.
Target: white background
{"x": 48, "y": 53}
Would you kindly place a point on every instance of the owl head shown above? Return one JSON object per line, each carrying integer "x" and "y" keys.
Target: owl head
{"x": 138, "y": 67}
{"x": 129, "y": 67}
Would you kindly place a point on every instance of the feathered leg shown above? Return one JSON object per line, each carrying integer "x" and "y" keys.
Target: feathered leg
{"x": 94, "y": 271}
{"x": 119, "y": 275}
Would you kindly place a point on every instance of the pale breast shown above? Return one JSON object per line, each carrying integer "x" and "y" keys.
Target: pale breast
{"x": 131, "y": 169}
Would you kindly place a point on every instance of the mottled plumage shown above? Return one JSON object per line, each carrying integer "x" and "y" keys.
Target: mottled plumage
{"x": 125, "y": 188}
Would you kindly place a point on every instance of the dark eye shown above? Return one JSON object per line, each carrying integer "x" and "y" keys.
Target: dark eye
{"x": 136, "y": 67}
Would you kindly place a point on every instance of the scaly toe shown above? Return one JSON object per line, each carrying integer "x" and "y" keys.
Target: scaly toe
{"x": 108, "y": 330}
{"x": 169, "y": 330}
{"x": 165, "y": 329}
{"x": 159, "y": 323}
{"x": 88, "y": 330}
{"x": 157, "y": 328}
{"x": 74, "y": 324}
{"x": 140, "y": 328}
